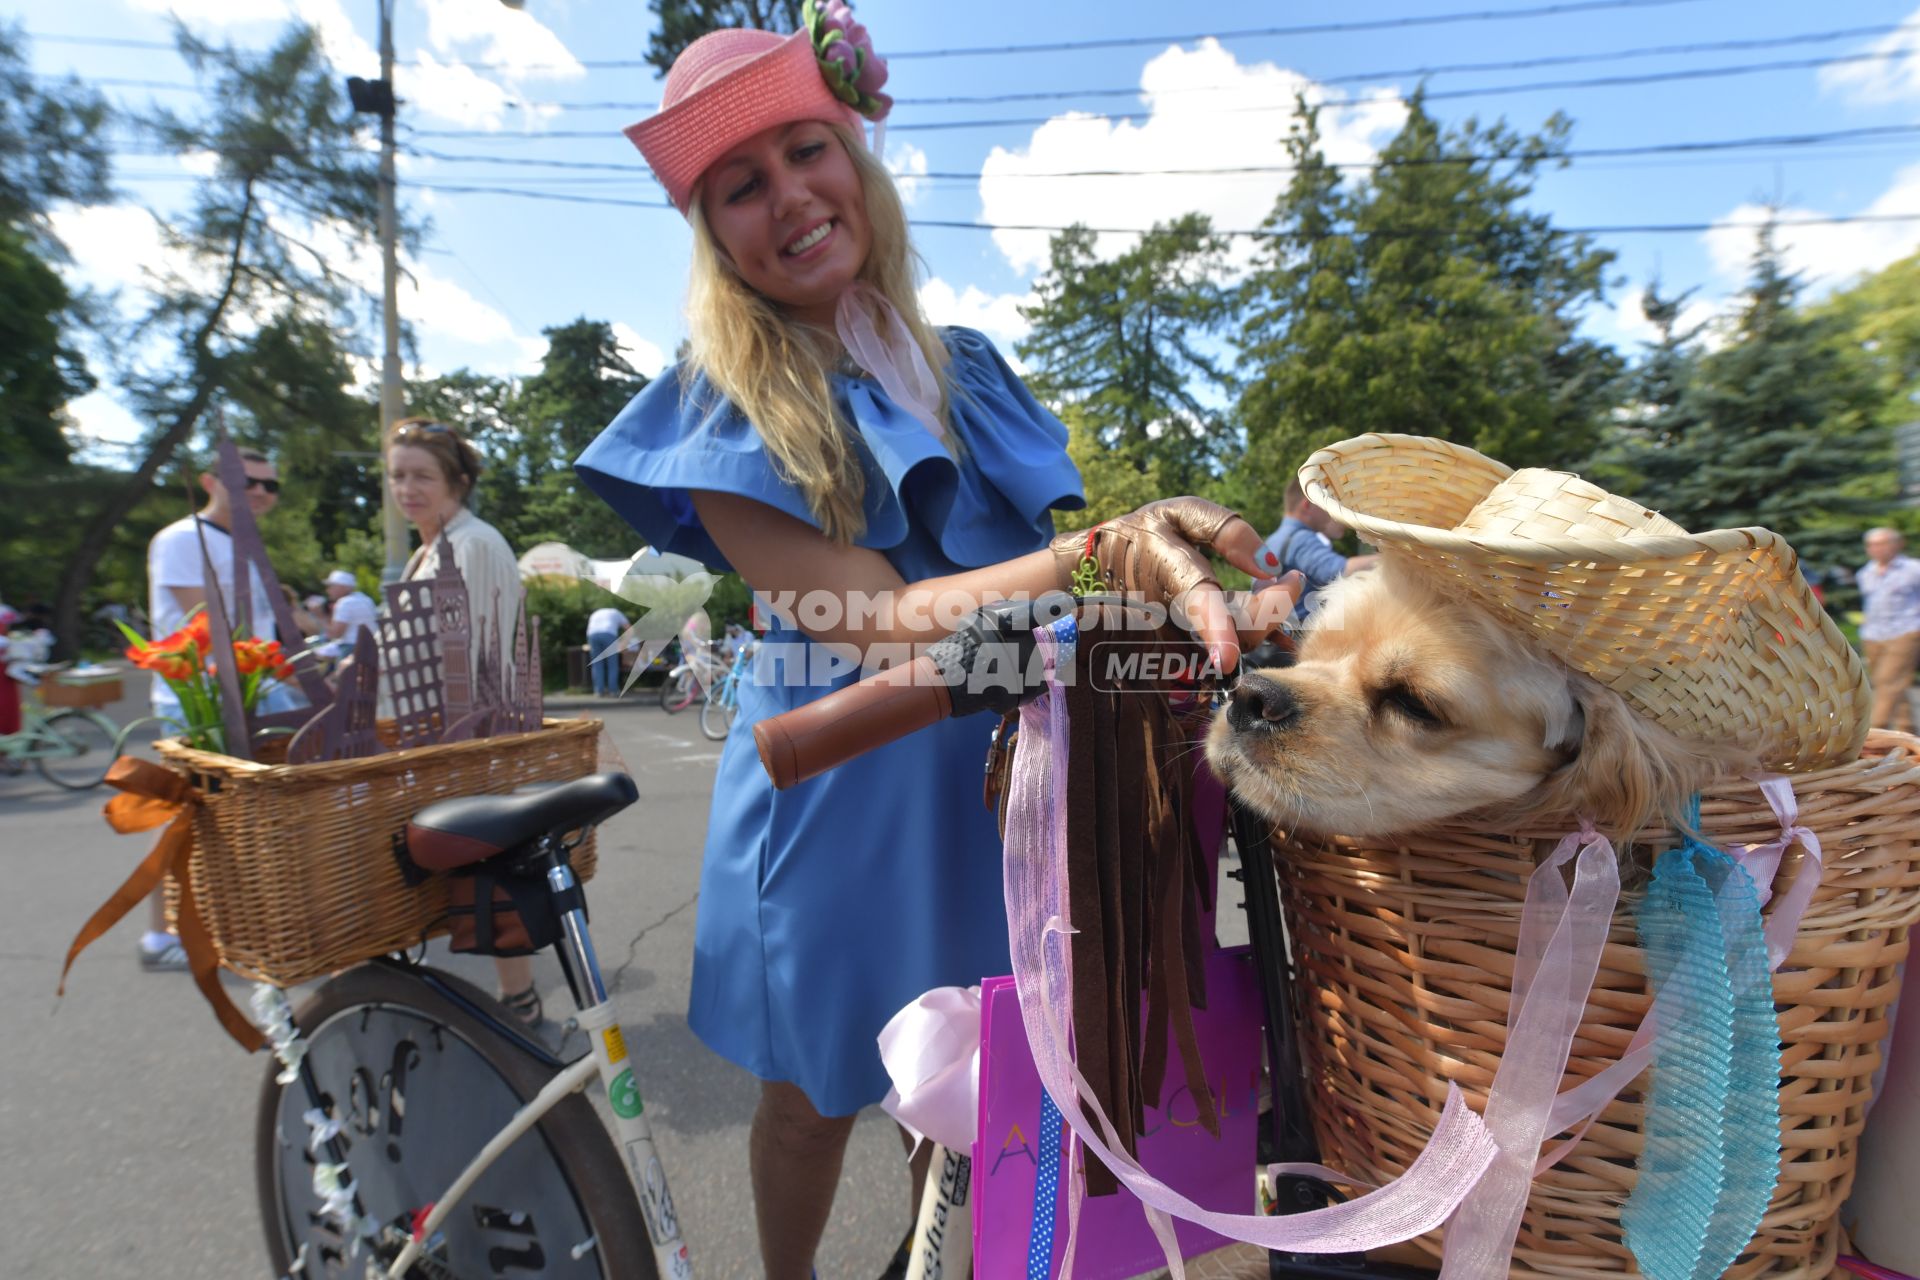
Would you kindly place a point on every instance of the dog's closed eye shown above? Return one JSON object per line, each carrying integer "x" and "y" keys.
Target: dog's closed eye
{"x": 1403, "y": 700}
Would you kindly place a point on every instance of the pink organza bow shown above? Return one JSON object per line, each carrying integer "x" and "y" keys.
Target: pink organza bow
{"x": 931, "y": 1050}
{"x": 1762, "y": 862}
{"x": 889, "y": 353}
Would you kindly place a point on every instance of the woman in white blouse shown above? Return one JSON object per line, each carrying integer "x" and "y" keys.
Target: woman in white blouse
{"x": 433, "y": 471}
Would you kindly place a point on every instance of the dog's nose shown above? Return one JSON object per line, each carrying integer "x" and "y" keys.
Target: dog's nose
{"x": 1260, "y": 703}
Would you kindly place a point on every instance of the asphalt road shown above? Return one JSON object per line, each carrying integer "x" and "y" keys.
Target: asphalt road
{"x": 127, "y": 1116}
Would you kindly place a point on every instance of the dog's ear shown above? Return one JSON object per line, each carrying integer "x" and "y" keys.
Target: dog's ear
{"x": 1625, "y": 770}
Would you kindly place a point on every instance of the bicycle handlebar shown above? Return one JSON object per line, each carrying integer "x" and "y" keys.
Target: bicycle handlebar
{"x": 887, "y": 706}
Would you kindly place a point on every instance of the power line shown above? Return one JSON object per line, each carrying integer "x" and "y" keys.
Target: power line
{"x": 1634, "y": 228}
{"x": 1135, "y": 117}
{"x": 1571, "y": 153}
{"x": 1350, "y": 77}
{"x": 1061, "y": 46}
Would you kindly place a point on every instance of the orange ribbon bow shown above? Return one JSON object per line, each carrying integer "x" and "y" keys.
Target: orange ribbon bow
{"x": 152, "y": 795}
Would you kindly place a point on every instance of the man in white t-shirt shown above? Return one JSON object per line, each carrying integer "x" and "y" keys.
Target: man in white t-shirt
{"x": 353, "y": 612}
{"x": 176, "y": 586}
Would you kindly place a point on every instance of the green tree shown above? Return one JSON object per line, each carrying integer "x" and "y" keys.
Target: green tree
{"x": 1878, "y": 321}
{"x": 1637, "y": 455}
{"x": 684, "y": 21}
{"x": 584, "y": 381}
{"x": 285, "y": 168}
{"x": 1777, "y": 429}
{"x": 1426, "y": 299}
{"x": 53, "y": 141}
{"x": 1129, "y": 344}
{"x": 51, "y": 150}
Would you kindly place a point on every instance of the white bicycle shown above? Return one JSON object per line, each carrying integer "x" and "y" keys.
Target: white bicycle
{"x": 411, "y": 1128}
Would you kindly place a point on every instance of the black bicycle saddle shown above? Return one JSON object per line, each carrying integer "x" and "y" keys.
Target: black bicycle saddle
{"x": 456, "y": 833}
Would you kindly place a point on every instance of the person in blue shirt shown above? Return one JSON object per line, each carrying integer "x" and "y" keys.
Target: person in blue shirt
{"x": 873, "y": 478}
{"x": 1303, "y": 544}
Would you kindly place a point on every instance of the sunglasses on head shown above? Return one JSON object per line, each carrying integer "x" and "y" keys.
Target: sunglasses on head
{"x": 425, "y": 429}
{"x": 255, "y": 482}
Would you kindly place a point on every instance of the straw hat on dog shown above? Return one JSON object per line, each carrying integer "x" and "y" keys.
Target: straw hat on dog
{"x": 1715, "y": 636}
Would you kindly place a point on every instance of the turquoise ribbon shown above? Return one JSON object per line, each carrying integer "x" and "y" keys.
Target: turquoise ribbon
{"x": 1712, "y": 1129}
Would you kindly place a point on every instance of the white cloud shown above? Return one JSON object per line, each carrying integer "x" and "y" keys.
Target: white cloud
{"x": 436, "y": 81}
{"x": 1830, "y": 256}
{"x": 112, "y": 246}
{"x": 101, "y": 418}
{"x": 908, "y": 164}
{"x": 1207, "y": 111}
{"x": 995, "y": 314}
{"x": 1892, "y": 78}
{"x": 642, "y": 354}
{"x": 514, "y": 42}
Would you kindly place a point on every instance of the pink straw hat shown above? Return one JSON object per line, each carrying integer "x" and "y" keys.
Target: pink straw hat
{"x": 724, "y": 88}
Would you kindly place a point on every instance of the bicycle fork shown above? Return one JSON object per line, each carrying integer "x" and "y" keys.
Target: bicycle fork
{"x": 609, "y": 1061}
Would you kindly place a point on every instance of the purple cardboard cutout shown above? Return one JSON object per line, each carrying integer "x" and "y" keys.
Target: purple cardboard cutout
{"x": 1114, "y": 1239}
{"x": 250, "y": 556}
{"x": 344, "y": 730}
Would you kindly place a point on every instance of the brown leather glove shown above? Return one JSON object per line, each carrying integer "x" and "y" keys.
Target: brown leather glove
{"x": 1153, "y": 552}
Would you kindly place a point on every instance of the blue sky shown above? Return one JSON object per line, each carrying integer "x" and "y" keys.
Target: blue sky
{"x": 499, "y": 268}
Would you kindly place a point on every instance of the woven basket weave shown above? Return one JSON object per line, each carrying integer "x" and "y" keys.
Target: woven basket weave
{"x": 293, "y": 865}
{"x": 1405, "y": 957}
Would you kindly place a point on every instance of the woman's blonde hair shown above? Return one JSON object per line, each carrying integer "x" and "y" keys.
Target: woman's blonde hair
{"x": 779, "y": 372}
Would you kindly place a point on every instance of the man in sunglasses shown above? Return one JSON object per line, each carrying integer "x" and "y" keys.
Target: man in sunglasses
{"x": 176, "y": 586}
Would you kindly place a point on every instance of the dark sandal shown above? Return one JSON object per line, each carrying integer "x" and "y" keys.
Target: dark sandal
{"x": 524, "y": 1006}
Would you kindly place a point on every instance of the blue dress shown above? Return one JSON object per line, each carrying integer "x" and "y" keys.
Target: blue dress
{"x": 826, "y": 908}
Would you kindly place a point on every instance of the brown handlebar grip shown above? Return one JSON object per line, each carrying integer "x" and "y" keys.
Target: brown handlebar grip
{"x": 807, "y": 741}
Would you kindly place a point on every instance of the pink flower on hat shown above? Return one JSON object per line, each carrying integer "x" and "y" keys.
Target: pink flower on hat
{"x": 853, "y": 71}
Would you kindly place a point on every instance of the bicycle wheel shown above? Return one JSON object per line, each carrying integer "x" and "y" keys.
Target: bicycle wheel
{"x": 716, "y": 713}
{"x": 419, "y": 1085}
{"x": 675, "y": 695}
{"x": 85, "y": 751}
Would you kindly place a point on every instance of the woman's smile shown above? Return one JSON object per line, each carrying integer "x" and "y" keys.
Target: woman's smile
{"x": 787, "y": 209}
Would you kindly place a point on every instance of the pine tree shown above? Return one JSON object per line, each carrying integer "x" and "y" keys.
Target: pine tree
{"x": 1428, "y": 300}
{"x": 1775, "y": 431}
{"x": 1127, "y": 342}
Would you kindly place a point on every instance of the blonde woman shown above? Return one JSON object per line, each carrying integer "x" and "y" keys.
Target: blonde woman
{"x": 433, "y": 471}
{"x": 867, "y": 474}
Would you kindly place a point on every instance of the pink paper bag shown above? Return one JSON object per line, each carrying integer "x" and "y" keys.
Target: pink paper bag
{"x": 1114, "y": 1239}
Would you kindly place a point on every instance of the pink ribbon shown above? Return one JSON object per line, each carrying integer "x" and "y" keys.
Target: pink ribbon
{"x": 1762, "y": 862}
{"x": 1454, "y": 1159}
{"x": 1561, "y": 938}
{"x": 893, "y": 357}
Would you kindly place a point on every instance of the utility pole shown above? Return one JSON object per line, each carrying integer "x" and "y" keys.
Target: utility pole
{"x": 393, "y": 525}
{"x": 377, "y": 98}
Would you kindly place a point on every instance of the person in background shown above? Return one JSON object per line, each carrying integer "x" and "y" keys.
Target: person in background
{"x": 1890, "y": 629}
{"x": 433, "y": 471}
{"x": 736, "y": 640}
{"x": 176, "y": 586}
{"x": 351, "y": 612}
{"x": 604, "y": 629}
{"x": 9, "y": 689}
{"x": 1304, "y": 543}
{"x": 821, "y": 438}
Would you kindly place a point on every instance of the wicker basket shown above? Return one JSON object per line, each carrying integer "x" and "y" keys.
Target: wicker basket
{"x": 1405, "y": 958}
{"x": 293, "y": 865}
{"x": 55, "y": 692}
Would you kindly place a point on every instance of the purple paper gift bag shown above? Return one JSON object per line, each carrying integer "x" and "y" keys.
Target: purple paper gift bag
{"x": 1011, "y": 1159}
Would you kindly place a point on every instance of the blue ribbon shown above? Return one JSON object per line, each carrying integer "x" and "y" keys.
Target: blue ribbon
{"x": 1712, "y": 1129}
{"x": 1046, "y": 1192}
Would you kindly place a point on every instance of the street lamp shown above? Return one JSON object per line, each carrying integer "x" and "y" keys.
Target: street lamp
{"x": 376, "y": 98}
